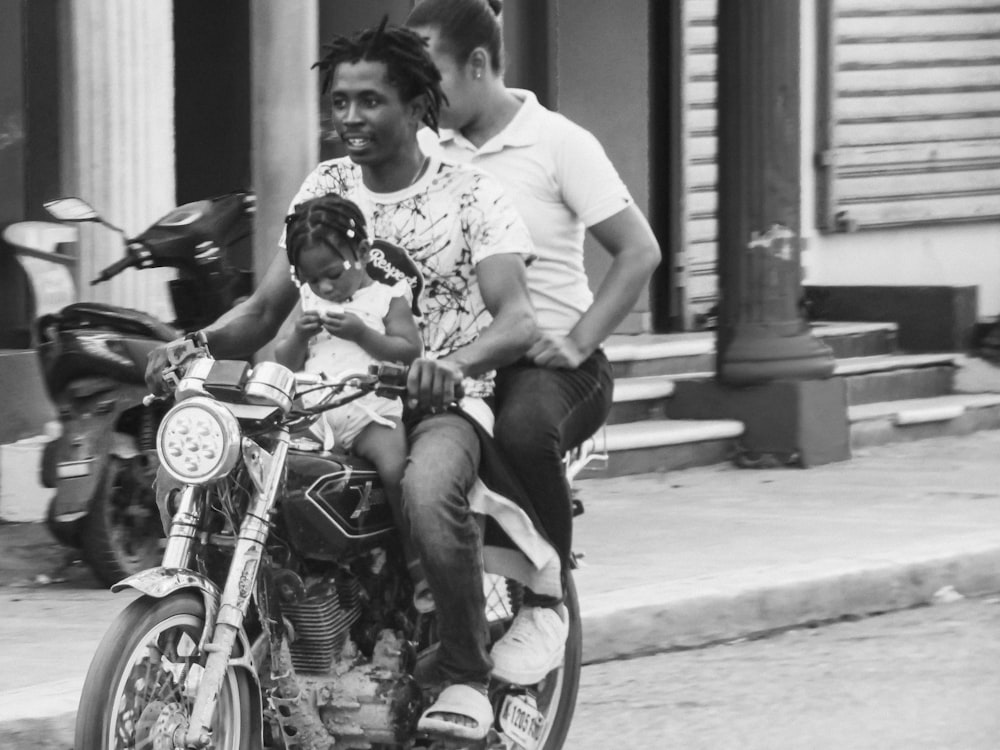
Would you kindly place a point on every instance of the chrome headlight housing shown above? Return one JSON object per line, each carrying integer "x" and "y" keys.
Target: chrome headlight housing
{"x": 198, "y": 441}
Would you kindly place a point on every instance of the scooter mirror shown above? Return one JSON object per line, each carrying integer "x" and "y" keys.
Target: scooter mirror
{"x": 72, "y": 209}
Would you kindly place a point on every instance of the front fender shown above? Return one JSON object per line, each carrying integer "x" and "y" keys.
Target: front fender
{"x": 162, "y": 582}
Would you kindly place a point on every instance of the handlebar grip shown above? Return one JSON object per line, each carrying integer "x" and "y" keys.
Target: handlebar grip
{"x": 114, "y": 269}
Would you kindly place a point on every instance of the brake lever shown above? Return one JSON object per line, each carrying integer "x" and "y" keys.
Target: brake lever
{"x": 151, "y": 398}
{"x": 390, "y": 391}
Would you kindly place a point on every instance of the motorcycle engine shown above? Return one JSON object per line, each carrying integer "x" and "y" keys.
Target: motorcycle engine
{"x": 334, "y": 695}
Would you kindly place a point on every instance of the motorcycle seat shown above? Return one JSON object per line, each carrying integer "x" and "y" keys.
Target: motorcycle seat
{"x": 126, "y": 320}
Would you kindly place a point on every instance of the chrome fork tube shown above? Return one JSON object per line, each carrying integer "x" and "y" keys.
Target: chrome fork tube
{"x": 183, "y": 528}
{"x": 235, "y": 600}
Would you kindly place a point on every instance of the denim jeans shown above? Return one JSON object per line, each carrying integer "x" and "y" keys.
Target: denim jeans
{"x": 541, "y": 414}
{"x": 441, "y": 468}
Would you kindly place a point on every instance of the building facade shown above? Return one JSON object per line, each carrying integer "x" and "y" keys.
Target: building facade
{"x": 137, "y": 106}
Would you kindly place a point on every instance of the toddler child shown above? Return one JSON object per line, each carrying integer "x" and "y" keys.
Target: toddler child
{"x": 344, "y": 321}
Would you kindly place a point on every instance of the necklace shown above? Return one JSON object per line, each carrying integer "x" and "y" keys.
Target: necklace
{"x": 420, "y": 172}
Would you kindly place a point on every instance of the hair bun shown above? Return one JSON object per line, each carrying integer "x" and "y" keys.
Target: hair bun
{"x": 496, "y": 6}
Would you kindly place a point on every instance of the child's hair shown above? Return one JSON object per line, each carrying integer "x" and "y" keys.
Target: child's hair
{"x": 408, "y": 64}
{"x": 464, "y": 25}
{"x": 314, "y": 221}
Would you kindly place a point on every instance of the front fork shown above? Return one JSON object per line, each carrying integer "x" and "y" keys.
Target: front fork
{"x": 266, "y": 470}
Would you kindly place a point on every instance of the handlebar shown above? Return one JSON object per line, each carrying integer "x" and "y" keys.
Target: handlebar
{"x": 115, "y": 268}
{"x": 385, "y": 379}
{"x": 227, "y": 380}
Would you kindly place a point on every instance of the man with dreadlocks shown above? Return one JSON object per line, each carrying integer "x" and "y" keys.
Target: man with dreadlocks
{"x": 470, "y": 245}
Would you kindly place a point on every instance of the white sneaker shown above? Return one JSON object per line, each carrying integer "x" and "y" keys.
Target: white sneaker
{"x": 532, "y": 647}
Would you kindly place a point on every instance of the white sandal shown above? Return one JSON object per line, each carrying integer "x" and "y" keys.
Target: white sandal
{"x": 464, "y": 701}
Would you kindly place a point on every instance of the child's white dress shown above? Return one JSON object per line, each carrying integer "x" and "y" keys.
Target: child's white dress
{"x": 333, "y": 357}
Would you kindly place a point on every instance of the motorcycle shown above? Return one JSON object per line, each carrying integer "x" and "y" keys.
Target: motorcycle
{"x": 93, "y": 360}
{"x": 284, "y": 614}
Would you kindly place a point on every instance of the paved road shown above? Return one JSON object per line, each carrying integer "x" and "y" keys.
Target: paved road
{"x": 921, "y": 679}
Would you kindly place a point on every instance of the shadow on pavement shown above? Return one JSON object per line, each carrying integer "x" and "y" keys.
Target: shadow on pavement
{"x": 39, "y": 734}
{"x": 31, "y": 558}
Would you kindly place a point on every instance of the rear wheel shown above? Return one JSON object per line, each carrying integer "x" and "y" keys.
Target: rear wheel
{"x": 122, "y": 534}
{"x": 534, "y": 717}
{"x": 142, "y": 683}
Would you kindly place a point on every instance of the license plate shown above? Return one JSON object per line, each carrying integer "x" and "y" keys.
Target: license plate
{"x": 72, "y": 469}
{"x": 521, "y": 720}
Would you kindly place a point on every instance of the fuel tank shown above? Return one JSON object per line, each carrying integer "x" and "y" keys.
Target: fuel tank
{"x": 333, "y": 502}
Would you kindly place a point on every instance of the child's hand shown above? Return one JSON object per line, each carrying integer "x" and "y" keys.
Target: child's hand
{"x": 344, "y": 325}
{"x": 308, "y": 324}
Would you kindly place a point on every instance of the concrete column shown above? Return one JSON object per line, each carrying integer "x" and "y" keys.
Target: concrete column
{"x": 284, "y": 108}
{"x": 118, "y": 135}
{"x": 772, "y": 375}
{"x": 284, "y": 111}
{"x": 762, "y": 335}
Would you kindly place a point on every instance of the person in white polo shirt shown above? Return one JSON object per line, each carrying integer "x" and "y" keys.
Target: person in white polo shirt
{"x": 561, "y": 181}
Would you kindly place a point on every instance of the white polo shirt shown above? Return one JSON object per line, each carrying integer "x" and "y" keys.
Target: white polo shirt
{"x": 561, "y": 181}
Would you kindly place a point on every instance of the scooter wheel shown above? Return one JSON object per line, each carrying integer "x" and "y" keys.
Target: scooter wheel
{"x": 123, "y": 534}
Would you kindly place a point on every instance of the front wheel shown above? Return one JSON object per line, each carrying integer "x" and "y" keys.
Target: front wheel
{"x": 143, "y": 680}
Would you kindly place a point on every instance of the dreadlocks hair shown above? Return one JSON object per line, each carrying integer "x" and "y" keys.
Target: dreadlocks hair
{"x": 316, "y": 221}
{"x": 464, "y": 25}
{"x": 408, "y": 63}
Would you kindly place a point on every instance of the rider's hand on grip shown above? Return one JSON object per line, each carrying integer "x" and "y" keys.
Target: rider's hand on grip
{"x": 166, "y": 363}
{"x": 433, "y": 384}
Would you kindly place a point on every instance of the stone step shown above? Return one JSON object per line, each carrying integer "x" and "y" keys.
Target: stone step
{"x": 657, "y": 445}
{"x": 869, "y": 379}
{"x": 666, "y": 354}
{"x": 848, "y": 340}
{"x": 662, "y": 445}
{"x": 896, "y": 377}
{"x": 919, "y": 418}
{"x": 676, "y": 353}
{"x": 891, "y": 396}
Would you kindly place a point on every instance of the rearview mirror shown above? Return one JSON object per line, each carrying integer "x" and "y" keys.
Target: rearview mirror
{"x": 72, "y": 209}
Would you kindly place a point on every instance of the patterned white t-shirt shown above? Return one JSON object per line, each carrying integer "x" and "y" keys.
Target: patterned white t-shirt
{"x": 449, "y": 220}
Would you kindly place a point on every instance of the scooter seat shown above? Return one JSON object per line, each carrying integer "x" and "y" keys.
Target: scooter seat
{"x": 124, "y": 319}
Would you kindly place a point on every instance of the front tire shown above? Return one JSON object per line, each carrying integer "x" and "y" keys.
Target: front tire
{"x": 142, "y": 682}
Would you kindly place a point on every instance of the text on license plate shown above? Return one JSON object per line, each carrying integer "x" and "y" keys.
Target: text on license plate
{"x": 521, "y": 720}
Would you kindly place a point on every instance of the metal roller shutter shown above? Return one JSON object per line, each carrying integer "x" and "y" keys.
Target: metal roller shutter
{"x": 909, "y": 112}
{"x": 699, "y": 162}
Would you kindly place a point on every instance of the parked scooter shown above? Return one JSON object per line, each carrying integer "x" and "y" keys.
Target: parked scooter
{"x": 93, "y": 359}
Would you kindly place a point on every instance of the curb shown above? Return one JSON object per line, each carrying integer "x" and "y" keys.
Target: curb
{"x": 699, "y": 612}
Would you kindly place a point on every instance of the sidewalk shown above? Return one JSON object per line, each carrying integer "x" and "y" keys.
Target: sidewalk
{"x": 676, "y": 560}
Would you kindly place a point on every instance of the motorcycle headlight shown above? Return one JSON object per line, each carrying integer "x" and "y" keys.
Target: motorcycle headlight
{"x": 198, "y": 441}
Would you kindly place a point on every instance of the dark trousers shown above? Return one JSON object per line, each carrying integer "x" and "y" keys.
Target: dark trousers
{"x": 541, "y": 414}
